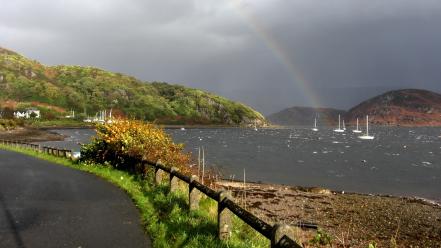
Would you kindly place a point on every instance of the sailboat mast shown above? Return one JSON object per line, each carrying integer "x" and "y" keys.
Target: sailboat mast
{"x": 357, "y": 123}
{"x": 338, "y": 121}
{"x": 315, "y": 122}
{"x": 367, "y": 125}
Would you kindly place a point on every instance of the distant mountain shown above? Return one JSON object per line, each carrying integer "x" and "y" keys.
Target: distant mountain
{"x": 408, "y": 107}
{"x": 28, "y": 83}
{"x": 304, "y": 116}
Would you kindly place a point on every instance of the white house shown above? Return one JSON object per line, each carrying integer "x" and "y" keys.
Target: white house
{"x": 28, "y": 113}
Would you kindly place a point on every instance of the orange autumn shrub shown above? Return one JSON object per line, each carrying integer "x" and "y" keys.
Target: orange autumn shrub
{"x": 123, "y": 143}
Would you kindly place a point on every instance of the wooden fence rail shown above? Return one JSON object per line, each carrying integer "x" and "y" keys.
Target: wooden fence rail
{"x": 44, "y": 149}
{"x": 280, "y": 235}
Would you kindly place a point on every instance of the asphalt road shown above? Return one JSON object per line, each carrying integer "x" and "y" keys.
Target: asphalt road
{"x": 47, "y": 205}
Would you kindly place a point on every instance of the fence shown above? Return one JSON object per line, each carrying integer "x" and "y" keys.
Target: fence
{"x": 278, "y": 234}
{"x": 44, "y": 149}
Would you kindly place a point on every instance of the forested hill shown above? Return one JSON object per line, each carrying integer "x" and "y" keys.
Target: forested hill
{"x": 89, "y": 90}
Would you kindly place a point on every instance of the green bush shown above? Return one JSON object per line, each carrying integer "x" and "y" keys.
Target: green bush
{"x": 123, "y": 143}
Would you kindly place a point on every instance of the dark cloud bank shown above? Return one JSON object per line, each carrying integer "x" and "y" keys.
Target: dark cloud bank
{"x": 347, "y": 50}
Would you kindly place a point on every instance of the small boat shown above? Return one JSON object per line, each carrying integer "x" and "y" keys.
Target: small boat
{"x": 255, "y": 126}
{"x": 356, "y": 130}
{"x": 315, "y": 129}
{"x": 182, "y": 128}
{"x": 344, "y": 126}
{"x": 367, "y": 136}
{"x": 339, "y": 130}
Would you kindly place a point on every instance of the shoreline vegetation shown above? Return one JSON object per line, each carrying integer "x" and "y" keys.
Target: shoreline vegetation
{"x": 87, "y": 93}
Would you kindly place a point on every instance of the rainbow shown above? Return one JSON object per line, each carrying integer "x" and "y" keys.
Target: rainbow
{"x": 279, "y": 52}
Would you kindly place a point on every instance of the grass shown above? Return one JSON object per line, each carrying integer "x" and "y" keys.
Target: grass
{"x": 56, "y": 123}
{"x": 165, "y": 216}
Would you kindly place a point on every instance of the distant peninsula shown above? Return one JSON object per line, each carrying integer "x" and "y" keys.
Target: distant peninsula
{"x": 304, "y": 116}
{"x": 406, "y": 107}
{"x": 57, "y": 91}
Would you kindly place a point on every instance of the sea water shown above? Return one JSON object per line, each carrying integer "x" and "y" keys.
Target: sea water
{"x": 399, "y": 161}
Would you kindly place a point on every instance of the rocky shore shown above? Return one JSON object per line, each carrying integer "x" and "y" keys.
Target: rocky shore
{"x": 30, "y": 135}
{"x": 351, "y": 220}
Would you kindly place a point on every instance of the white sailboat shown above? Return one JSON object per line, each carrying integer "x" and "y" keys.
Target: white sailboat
{"x": 315, "y": 129}
{"x": 339, "y": 130}
{"x": 356, "y": 130}
{"x": 367, "y": 136}
{"x": 344, "y": 126}
{"x": 255, "y": 126}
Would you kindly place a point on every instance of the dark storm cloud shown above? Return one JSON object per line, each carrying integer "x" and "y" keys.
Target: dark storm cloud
{"x": 347, "y": 50}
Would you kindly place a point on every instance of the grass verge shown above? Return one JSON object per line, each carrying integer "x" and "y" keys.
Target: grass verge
{"x": 165, "y": 216}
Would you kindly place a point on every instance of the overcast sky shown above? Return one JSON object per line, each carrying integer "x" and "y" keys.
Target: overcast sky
{"x": 269, "y": 54}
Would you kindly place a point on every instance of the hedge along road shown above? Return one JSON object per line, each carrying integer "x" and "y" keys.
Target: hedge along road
{"x": 47, "y": 205}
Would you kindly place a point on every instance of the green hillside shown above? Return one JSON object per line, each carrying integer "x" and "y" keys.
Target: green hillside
{"x": 88, "y": 90}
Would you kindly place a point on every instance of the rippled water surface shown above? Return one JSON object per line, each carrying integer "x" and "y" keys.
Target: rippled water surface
{"x": 400, "y": 161}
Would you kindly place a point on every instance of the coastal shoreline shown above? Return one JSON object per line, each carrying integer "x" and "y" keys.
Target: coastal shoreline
{"x": 351, "y": 218}
{"x": 31, "y": 135}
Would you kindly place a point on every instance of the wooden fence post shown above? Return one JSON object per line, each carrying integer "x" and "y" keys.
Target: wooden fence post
{"x": 174, "y": 181}
{"x": 158, "y": 174}
{"x": 224, "y": 216}
{"x": 193, "y": 194}
{"x": 281, "y": 237}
